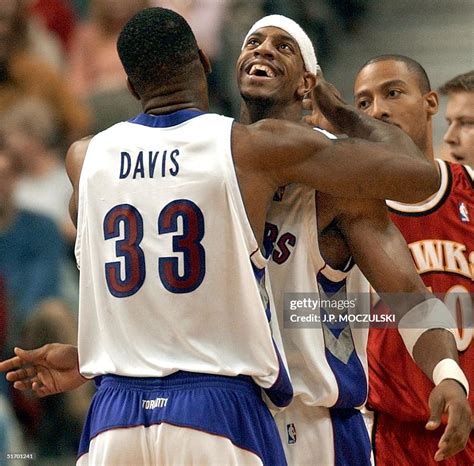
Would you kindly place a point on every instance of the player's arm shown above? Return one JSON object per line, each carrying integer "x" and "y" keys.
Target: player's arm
{"x": 381, "y": 253}
{"x": 51, "y": 369}
{"x": 284, "y": 152}
{"x": 74, "y": 160}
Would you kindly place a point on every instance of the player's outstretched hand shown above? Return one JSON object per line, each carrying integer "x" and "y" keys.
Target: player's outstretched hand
{"x": 450, "y": 399}
{"x": 51, "y": 369}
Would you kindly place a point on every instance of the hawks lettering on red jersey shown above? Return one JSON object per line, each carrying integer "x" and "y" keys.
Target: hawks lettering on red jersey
{"x": 437, "y": 255}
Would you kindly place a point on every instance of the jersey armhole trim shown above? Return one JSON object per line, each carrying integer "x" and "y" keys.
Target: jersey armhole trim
{"x": 432, "y": 205}
{"x": 469, "y": 174}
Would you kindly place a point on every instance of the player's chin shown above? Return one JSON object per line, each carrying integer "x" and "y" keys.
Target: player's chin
{"x": 258, "y": 90}
{"x": 248, "y": 80}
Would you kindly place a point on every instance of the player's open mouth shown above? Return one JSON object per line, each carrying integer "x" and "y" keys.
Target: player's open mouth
{"x": 260, "y": 70}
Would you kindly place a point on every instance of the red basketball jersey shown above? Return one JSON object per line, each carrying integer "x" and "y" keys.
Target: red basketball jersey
{"x": 440, "y": 235}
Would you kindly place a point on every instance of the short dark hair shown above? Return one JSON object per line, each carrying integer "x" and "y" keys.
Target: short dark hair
{"x": 460, "y": 83}
{"x": 412, "y": 65}
{"x": 154, "y": 46}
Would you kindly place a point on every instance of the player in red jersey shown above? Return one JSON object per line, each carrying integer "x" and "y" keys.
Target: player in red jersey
{"x": 440, "y": 236}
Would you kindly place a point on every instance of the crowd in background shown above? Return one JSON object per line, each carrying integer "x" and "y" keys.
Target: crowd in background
{"x": 60, "y": 80}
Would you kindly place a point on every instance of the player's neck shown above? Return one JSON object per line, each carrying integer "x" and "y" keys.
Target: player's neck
{"x": 252, "y": 112}
{"x": 177, "y": 95}
{"x": 425, "y": 144}
{"x": 428, "y": 150}
{"x": 184, "y": 100}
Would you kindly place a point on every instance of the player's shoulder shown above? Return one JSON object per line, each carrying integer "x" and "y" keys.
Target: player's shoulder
{"x": 278, "y": 139}
{"x": 261, "y": 127}
{"x": 75, "y": 157}
{"x": 79, "y": 148}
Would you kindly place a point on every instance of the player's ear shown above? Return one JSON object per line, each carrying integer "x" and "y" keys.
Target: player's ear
{"x": 206, "y": 63}
{"x": 431, "y": 102}
{"x": 132, "y": 90}
{"x": 308, "y": 81}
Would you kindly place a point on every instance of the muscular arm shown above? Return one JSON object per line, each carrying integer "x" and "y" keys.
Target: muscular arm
{"x": 383, "y": 154}
{"x": 381, "y": 253}
{"x": 285, "y": 152}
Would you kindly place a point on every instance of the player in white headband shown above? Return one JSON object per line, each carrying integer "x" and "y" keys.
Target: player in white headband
{"x": 295, "y": 31}
{"x": 312, "y": 235}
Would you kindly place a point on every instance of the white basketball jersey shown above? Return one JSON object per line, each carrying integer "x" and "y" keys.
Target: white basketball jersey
{"x": 171, "y": 274}
{"x": 327, "y": 369}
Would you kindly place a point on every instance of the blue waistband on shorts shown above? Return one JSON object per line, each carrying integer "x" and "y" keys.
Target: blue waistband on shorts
{"x": 229, "y": 407}
{"x": 177, "y": 381}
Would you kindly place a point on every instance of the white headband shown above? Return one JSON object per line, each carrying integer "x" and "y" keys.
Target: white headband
{"x": 295, "y": 31}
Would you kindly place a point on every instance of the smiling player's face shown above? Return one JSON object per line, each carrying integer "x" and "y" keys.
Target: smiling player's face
{"x": 270, "y": 67}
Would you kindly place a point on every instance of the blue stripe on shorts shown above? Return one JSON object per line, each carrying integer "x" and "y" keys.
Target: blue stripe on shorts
{"x": 351, "y": 439}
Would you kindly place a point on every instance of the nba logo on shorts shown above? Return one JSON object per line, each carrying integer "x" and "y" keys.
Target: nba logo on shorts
{"x": 291, "y": 431}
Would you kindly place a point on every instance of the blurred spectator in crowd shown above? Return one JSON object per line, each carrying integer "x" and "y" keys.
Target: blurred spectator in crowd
{"x": 81, "y": 8}
{"x": 3, "y": 332}
{"x": 31, "y": 33}
{"x": 31, "y": 248}
{"x": 11, "y": 439}
{"x": 3, "y": 316}
{"x": 94, "y": 70}
{"x": 30, "y": 133}
{"x": 349, "y": 12}
{"x": 52, "y": 321}
{"x": 206, "y": 18}
{"x": 460, "y": 117}
{"x": 23, "y": 74}
{"x": 57, "y": 16}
